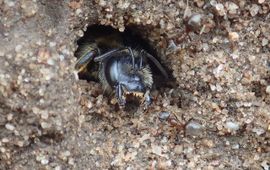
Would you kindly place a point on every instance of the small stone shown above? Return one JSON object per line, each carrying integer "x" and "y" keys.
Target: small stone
{"x": 10, "y": 3}
{"x": 71, "y": 161}
{"x": 199, "y": 3}
{"x": 43, "y": 55}
{"x": 265, "y": 165}
{"x": 178, "y": 149}
{"x": 195, "y": 22}
{"x": 29, "y": 7}
{"x": 231, "y": 7}
{"x": 9, "y": 127}
{"x": 251, "y": 58}
{"x": 261, "y": 1}
{"x": 157, "y": 150}
{"x": 52, "y": 44}
{"x": 9, "y": 117}
{"x": 20, "y": 143}
{"x": 44, "y": 115}
{"x": 50, "y": 61}
{"x": 233, "y": 36}
{"x": 220, "y": 9}
{"x": 64, "y": 155}
{"x": 218, "y": 70}
{"x": 44, "y": 161}
{"x": 232, "y": 126}
{"x": 268, "y": 89}
{"x": 194, "y": 128}
{"x": 18, "y": 48}
{"x": 258, "y": 130}
{"x": 5, "y": 140}
{"x": 45, "y": 125}
{"x": 78, "y": 11}
{"x": 102, "y": 3}
{"x": 163, "y": 116}
{"x": 236, "y": 146}
{"x": 208, "y": 143}
{"x": 264, "y": 42}
{"x": 2, "y": 149}
{"x": 58, "y": 168}
{"x": 254, "y": 9}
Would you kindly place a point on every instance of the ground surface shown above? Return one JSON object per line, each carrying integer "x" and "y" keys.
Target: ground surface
{"x": 216, "y": 116}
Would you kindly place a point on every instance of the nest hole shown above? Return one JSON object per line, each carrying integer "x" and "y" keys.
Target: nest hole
{"x": 131, "y": 37}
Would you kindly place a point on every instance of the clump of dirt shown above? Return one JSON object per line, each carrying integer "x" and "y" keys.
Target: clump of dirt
{"x": 216, "y": 116}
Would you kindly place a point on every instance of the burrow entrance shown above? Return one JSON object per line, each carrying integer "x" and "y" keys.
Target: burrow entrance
{"x": 100, "y": 36}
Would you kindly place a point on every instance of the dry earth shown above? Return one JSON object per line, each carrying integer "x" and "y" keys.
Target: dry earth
{"x": 215, "y": 115}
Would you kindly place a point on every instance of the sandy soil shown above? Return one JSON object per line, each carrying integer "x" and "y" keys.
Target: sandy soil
{"x": 215, "y": 115}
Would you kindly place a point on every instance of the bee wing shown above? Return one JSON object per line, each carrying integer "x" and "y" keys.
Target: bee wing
{"x": 86, "y": 56}
{"x": 156, "y": 62}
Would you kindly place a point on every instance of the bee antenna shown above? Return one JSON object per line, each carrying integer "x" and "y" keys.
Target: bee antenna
{"x": 108, "y": 54}
{"x": 156, "y": 62}
{"x": 132, "y": 56}
{"x": 141, "y": 62}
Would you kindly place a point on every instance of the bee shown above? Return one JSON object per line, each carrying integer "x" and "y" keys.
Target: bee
{"x": 122, "y": 69}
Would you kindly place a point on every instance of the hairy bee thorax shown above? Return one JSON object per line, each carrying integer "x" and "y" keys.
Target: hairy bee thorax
{"x": 147, "y": 76}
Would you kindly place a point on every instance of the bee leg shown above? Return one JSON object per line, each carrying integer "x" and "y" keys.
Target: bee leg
{"x": 87, "y": 55}
{"x": 147, "y": 99}
{"x": 119, "y": 95}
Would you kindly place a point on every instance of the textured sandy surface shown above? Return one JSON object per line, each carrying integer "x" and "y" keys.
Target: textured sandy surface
{"x": 215, "y": 116}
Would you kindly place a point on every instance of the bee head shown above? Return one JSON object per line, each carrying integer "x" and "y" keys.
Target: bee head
{"x": 138, "y": 82}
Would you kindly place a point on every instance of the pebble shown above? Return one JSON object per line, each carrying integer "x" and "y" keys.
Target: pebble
{"x": 233, "y": 126}
{"x": 268, "y": 89}
{"x": 9, "y": 117}
{"x": 194, "y": 22}
{"x": 45, "y": 125}
{"x": 2, "y": 149}
{"x": 258, "y": 130}
{"x": 10, "y": 3}
{"x": 58, "y": 168}
{"x": 254, "y": 9}
{"x": 208, "y": 143}
{"x": 164, "y": 116}
{"x": 9, "y": 127}
{"x": 64, "y": 155}
{"x": 44, "y": 115}
{"x": 265, "y": 41}
{"x": 232, "y": 7}
{"x": 157, "y": 150}
{"x": 178, "y": 149}
{"x": 18, "y": 48}
{"x": 42, "y": 159}
{"x": 220, "y": 9}
{"x": 265, "y": 165}
{"x": 236, "y": 146}
{"x": 233, "y": 36}
{"x": 29, "y": 7}
{"x": 194, "y": 128}
{"x": 261, "y": 1}
{"x": 5, "y": 140}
